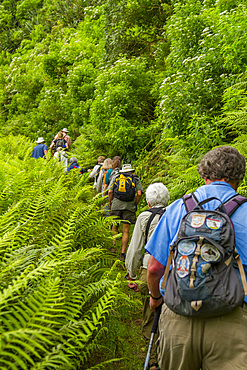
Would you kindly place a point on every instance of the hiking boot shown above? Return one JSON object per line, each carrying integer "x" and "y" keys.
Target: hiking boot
{"x": 122, "y": 257}
{"x": 154, "y": 367}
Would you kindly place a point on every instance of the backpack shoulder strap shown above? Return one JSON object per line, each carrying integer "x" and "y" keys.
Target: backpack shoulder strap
{"x": 190, "y": 201}
{"x": 234, "y": 203}
{"x": 231, "y": 205}
{"x": 154, "y": 211}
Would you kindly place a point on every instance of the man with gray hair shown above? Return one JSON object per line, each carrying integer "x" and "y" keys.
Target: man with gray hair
{"x": 218, "y": 341}
{"x": 74, "y": 165}
{"x": 157, "y": 197}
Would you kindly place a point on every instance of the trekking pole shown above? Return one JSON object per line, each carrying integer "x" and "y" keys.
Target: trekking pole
{"x": 153, "y": 332}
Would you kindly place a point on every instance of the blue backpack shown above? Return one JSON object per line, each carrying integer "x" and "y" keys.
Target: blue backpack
{"x": 205, "y": 277}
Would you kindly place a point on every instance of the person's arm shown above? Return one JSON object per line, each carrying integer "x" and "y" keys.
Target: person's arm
{"x": 138, "y": 196}
{"x": 45, "y": 150}
{"x": 94, "y": 171}
{"x": 68, "y": 139}
{"x": 110, "y": 196}
{"x": 51, "y": 146}
{"x": 154, "y": 274}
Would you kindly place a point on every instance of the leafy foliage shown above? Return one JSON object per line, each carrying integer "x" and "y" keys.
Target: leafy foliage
{"x": 156, "y": 82}
{"x": 58, "y": 282}
{"x": 208, "y": 62}
{"x": 134, "y": 27}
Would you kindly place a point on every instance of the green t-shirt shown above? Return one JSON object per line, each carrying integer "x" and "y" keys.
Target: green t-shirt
{"x": 120, "y": 205}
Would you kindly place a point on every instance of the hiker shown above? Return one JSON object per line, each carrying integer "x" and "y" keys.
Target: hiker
{"x": 60, "y": 145}
{"x": 116, "y": 166}
{"x": 203, "y": 340}
{"x": 40, "y": 150}
{"x": 107, "y": 164}
{"x": 157, "y": 197}
{"x": 125, "y": 190}
{"x": 96, "y": 170}
{"x": 74, "y": 165}
{"x": 65, "y": 136}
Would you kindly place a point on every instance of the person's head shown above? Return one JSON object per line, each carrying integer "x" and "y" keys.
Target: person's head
{"x": 157, "y": 194}
{"x": 101, "y": 159}
{"x": 107, "y": 164}
{"x": 73, "y": 160}
{"x": 116, "y": 162}
{"x": 40, "y": 140}
{"x": 222, "y": 163}
{"x": 65, "y": 131}
{"x": 59, "y": 135}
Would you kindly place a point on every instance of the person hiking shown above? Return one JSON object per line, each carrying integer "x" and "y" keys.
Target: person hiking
{"x": 65, "y": 137}
{"x": 60, "y": 145}
{"x": 94, "y": 174}
{"x": 74, "y": 165}
{"x": 116, "y": 166}
{"x": 107, "y": 164}
{"x": 157, "y": 197}
{"x": 212, "y": 341}
{"x": 40, "y": 150}
{"x": 124, "y": 194}
{"x": 65, "y": 132}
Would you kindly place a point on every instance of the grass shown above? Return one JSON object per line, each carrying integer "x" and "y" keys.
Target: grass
{"x": 123, "y": 341}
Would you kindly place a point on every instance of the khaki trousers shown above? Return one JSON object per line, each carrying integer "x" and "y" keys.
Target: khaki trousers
{"x": 218, "y": 343}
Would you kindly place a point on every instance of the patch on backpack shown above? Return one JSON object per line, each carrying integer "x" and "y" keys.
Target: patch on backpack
{"x": 209, "y": 253}
{"x": 183, "y": 266}
{"x": 197, "y": 220}
{"x": 202, "y": 269}
{"x": 186, "y": 247}
{"x": 213, "y": 224}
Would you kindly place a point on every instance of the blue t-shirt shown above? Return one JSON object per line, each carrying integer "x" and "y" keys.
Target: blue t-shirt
{"x": 166, "y": 231}
{"x": 39, "y": 151}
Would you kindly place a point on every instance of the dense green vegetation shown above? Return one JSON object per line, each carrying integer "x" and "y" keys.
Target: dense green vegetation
{"x": 124, "y": 76}
{"x": 62, "y": 292}
{"x": 156, "y": 82}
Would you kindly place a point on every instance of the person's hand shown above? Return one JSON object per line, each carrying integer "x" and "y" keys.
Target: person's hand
{"x": 154, "y": 303}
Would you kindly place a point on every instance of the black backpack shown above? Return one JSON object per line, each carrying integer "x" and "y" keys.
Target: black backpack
{"x": 98, "y": 171}
{"x": 59, "y": 143}
{"x": 154, "y": 211}
{"x": 205, "y": 277}
{"x": 124, "y": 187}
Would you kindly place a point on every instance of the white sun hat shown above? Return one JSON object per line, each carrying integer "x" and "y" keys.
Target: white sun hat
{"x": 127, "y": 168}
{"x": 40, "y": 140}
